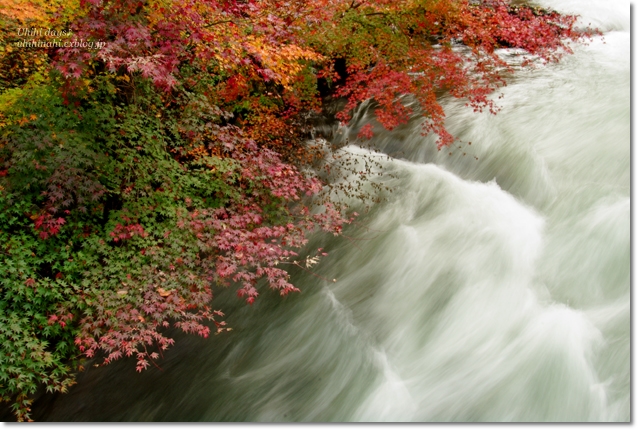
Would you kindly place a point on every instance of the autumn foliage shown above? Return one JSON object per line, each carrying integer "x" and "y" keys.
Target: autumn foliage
{"x": 166, "y": 157}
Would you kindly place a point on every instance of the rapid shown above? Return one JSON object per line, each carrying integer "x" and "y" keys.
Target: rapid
{"x": 491, "y": 284}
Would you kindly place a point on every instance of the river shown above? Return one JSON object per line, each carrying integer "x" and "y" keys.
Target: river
{"x": 492, "y": 284}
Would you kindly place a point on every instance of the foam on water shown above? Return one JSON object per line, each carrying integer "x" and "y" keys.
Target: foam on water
{"x": 459, "y": 312}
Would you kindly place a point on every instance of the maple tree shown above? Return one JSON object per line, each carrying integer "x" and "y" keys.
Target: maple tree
{"x": 166, "y": 155}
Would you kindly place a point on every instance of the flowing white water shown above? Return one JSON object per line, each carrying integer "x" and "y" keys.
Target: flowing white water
{"x": 493, "y": 285}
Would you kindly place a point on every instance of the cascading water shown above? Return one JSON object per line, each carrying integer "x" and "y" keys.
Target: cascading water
{"x": 491, "y": 285}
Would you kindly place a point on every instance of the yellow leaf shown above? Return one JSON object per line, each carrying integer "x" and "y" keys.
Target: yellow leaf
{"x": 162, "y": 292}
